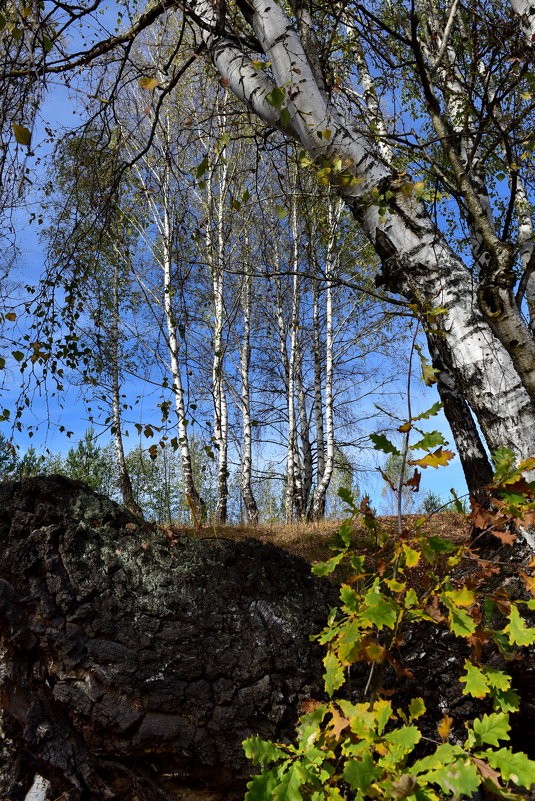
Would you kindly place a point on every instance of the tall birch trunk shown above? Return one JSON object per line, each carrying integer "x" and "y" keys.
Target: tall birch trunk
{"x": 333, "y": 218}
{"x": 294, "y": 468}
{"x": 318, "y": 383}
{"x": 251, "y": 507}
{"x": 215, "y": 246}
{"x": 195, "y": 501}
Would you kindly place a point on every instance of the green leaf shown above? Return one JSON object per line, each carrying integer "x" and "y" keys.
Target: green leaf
{"x": 308, "y": 728}
{"x": 506, "y": 700}
{"x": 261, "y": 786}
{"x": 504, "y": 462}
{"x": 497, "y": 678}
{"x": 262, "y": 752}
{"x": 383, "y": 712}
{"x": 460, "y": 621}
{"x": 2, "y": 362}
{"x": 347, "y": 496}
{"x": 360, "y": 773}
{"x": 22, "y": 135}
{"x": 334, "y": 673}
{"x": 444, "y": 754}
{"x": 285, "y": 117}
{"x": 382, "y": 443}
{"x": 430, "y": 440}
{"x": 379, "y": 609}
{"x": 515, "y": 766}
{"x": 281, "y": 211}
{"x": 439, "y": 545}
{"x": 475, "y": 681}
{"x": 459, "y": 778}
{"x": 428, "y": 371}
{"x": 492, "y": 728}
{"x": 17, "y": 355}
{"x": 518, "y": 632}
{"x": 401, "y": 742}
{"x": 275, "y": 98}
{"x": 344, "y": 532}
{"x": 324, "y": 568}
{"x": 431, "y": 412}
{"x": 350, "y": 599}
{"x": 416, "y": 708}
{"x": 202, "y": 168}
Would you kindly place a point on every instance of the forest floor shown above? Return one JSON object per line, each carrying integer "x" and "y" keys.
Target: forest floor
{"x": 314, "y": 541}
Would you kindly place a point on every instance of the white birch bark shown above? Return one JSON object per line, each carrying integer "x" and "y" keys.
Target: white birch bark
{"x": 194, "y": 499}
{"x": 318, "y": 383}
{"x": 294, "y": 489}
{"x": 333, "y": 217}
{"x": 526, "y": 11}
{"x": 251, "y": 507}
{"x": 215, "y": 248}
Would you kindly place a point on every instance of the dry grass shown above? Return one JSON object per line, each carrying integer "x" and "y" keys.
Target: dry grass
{"x": 314, "y": 541}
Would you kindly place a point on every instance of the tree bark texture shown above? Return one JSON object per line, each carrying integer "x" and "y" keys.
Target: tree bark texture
{"x": 132, "y": 667}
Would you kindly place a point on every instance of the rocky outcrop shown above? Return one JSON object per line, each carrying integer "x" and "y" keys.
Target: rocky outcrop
{"x": 130, "y": 667}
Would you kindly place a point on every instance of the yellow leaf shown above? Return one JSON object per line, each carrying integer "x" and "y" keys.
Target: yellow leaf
{"x": 22, "y": 134}
{"x": 148, "y": 83}
{"x": 327, "y": 133}
{"x": 462, "y": 597}
{"x": 412, "y": 557}
{"x": 11, "y": 316}
{"x": 438, "y": 458}
{"x": 419, "y": 188}
{"x": 444, "y": 727}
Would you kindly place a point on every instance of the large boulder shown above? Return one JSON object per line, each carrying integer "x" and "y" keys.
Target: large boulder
{"x": 131, "y": 667}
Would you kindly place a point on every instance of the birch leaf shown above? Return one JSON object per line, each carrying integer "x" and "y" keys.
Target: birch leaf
{"x": 148, "y": 83}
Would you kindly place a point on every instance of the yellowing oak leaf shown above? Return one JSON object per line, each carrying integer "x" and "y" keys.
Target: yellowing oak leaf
{"x": 444, "y": 727}
{"x": 438, "y": 458}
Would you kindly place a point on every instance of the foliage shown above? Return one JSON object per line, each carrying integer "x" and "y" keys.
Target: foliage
{"x": 88, "y": 462}
{"x": 365, "y": 746}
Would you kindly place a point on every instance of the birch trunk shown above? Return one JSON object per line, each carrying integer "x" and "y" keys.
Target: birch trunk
{"x": 251, "y": 507}
{"x": 318, "y": 395}
{"x": 195, "y": 501}
{"x": 333, "y": 218}
{"x": 215, "y": 246}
